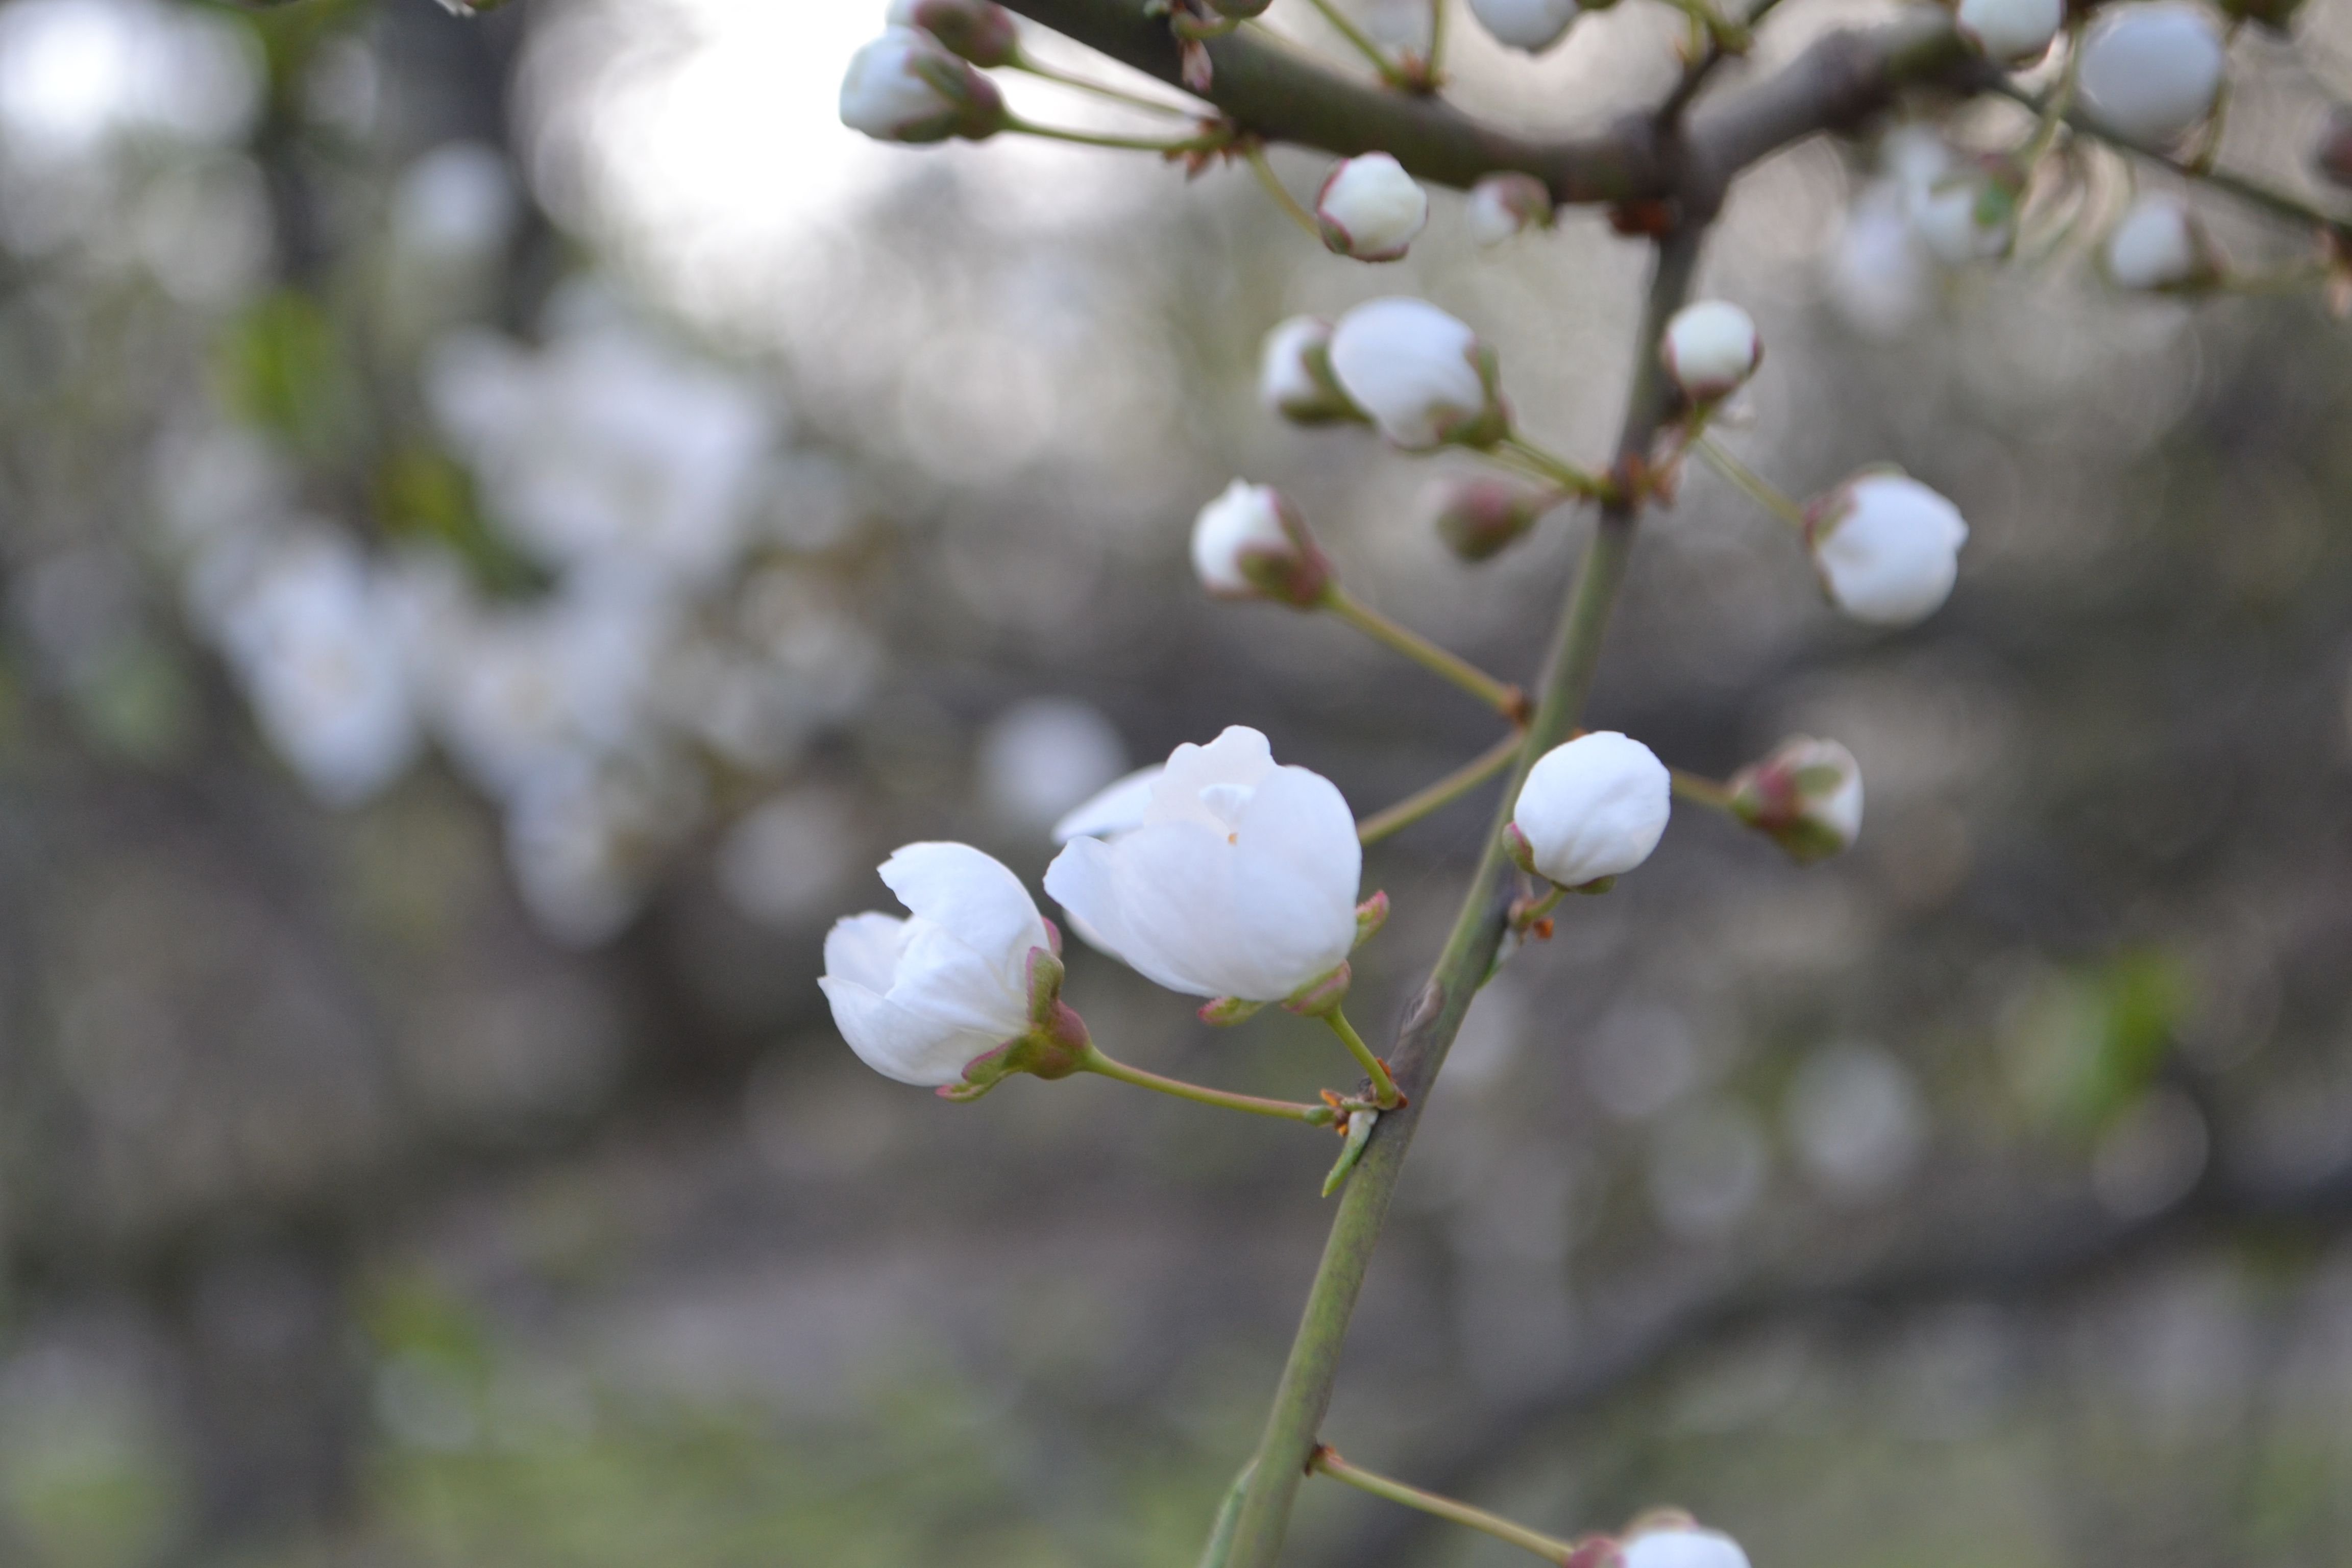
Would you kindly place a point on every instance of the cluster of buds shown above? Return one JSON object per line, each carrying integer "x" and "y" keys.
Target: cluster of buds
{"x": 1806, "y": 797}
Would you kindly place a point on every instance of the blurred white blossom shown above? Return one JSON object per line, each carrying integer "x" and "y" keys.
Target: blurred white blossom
{"x": 1040, "y": 758}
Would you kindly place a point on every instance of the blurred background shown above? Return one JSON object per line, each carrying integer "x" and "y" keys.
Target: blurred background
{"x": 507, "y": 519}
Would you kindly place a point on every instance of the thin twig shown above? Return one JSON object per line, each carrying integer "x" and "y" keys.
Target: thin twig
{"x": 1444, "y": 793}
{"x": 1327, "y": 1461}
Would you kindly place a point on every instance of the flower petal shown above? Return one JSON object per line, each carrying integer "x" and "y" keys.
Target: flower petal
{"x": 864, "y": 949}
{"x": 972, "y": 895}
{"x": 898, "y": 1044}
{"x": 1238, "y": 756}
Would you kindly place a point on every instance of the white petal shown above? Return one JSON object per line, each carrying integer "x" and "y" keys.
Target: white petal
{"x": 972, "y": 895}
{"x": 898, "y": 1044}
{"x": 864, "y": 949}
{"x": 1238, "y": 756}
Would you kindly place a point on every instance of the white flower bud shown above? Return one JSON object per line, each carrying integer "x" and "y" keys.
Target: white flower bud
{"x": 2012, "y": 32}
{"x": 1240, "y": 881}
{"x": 1879, "y": 272}
{"x": 1293, "y": 374}
{"x": 1593, "y": 807}
{"x": 1251, "y": 544}
{"x": 1806, "y": 797}
{"x": 1711, "y": 349}
{"x": 978, "y": 30}
{"x": 1530, "y": 24}
{"x": 1423, "y": 376}
{"x": 906, "y": 87}
{"x": 1966, "y": 216}
{"x": 1887, "y": 548}
{"x": 2158, "y": 244}
{"x": 1502, "y": 205}
{"x": 1682, "y": 1546}
{"x": 919, "y": 998}
{"x": 1370, "y": 208}
{"x": 2151, "y": 72}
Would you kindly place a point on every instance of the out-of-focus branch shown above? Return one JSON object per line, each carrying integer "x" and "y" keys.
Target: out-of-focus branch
{"x": 1997, "y": 1257}
{"x": 1284, "y": 95}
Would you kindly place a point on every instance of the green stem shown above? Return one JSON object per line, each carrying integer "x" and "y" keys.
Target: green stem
{"x": 1549, "y": 1548}
{"x": 1525, "y": 915}
{"x": 2055, "y": 104}
{"x": 1384, "y": 1089}
{"x": 1229, "y": 1513}
{"x": 1567, "y": 475}
{"x": 1444, "y": 791}
{"x": 1095, "y": 1061}
{"x": 1291, "y": 205}
{"x": 1107, "y": 139}
{"x": 1345, "y": 27}
{"x": 1101, "y": 89}
{"x": 1508, "y": 701}
{"x": 1437, "y": 9}
{"x": 1700, "y": 790}
{"x": 1751, "y": 484}
{"x": 1313, "y": 1366}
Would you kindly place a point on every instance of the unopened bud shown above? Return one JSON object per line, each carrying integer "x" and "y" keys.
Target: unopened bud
{"x": 1679, "y": 1545}
{"x": 1370, "y": 208}
{"x": 1370, "y": 916}
{"x": 2010, "y": 32}
{"x": 2152, "y": 72}
{"x": 1806, "y": 797}
{"x": 906, "y": 86}
{"x": 1320, "y": 996}
{"x": 1479, "y": 518}
{"x": 1423, "y": 377}
{"x": 1502, "y": 205}
{"x": 1251, "y": 544}
{"x": 1530, "y": 24}
{"x": 2159, "y": 245}
{"x": 1887, "y": 547}
{"x": 978, "y": 30}
{"x": 1293, "y": 374}
{"x": 1711, "y": 349}
{"x": 1593, "y": 807}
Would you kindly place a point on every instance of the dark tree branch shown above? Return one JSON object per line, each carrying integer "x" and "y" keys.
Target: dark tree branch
{"x": 1285, "y": 96}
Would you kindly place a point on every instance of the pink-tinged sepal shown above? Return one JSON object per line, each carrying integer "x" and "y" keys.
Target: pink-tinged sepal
{"x": 1320, "y": 996}
{"x": 1370, "y": 916}
{"x": 1226, "y": 1011}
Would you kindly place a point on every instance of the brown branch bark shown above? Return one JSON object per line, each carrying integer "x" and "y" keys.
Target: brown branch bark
{"x": 1284, "y": 95}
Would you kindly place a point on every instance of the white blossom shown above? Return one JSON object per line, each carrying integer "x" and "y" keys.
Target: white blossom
{"x": 2151, "y": 72}
{"x": 1683, "y": 1546}
{"x": 781, "y": 862}
{"x": 2158, "y": 244}
{"x": 1240, "y": 881}
{"x": 607, "y": 450}
{"x": 1423, "y": 376}
{"x": 1591, "y": 807}
{"x": 907, "y": 86}
{"x": 1887, "y": 548}
{"x": 2013, "y": 32}
{"x": 1370, "y": 208}
{"x": 1711, "y": 349}
{"x": 917, "y": 998}
{"x": 1502, "y": 205}
{"x": 1249, "y": 543}
{"x": 1530, "y": 24}
{"x": 585, "y": 838}
{"x": 321, "y": 661}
